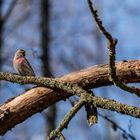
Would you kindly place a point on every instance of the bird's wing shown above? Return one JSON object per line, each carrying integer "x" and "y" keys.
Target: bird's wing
{"x": 26, "y": 67}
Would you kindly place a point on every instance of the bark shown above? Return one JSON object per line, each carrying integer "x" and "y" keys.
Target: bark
{"x": 35, "y": 100}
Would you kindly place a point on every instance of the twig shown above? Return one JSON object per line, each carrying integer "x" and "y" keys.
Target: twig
{"x": 66, "y": 120}
{"x": 117, "y": 106}
{"x": 116, "y": 125}
{"x": 67, "y": 87}
{"x": 91, "y": 111}
{"x": 61, "y": 136}
{"x": 111, "y": 47}
{"x": 130, "y": 126}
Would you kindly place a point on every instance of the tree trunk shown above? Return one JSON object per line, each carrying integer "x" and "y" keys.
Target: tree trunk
{"x": 46, "y": 69}
{"x": 1, "y": 31}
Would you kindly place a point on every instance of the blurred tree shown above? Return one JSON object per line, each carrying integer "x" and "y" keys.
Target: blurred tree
{"x": 45, "y": 48}
{"x": 1, "y": 31}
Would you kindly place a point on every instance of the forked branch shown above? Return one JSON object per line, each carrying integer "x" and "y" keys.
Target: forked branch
{"x": 112, "y": 52}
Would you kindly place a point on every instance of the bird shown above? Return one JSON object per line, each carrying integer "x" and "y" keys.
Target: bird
{"x": 21, "y": 64}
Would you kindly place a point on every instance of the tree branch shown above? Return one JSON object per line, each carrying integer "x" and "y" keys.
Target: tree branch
{"x": 112, "y": 52}
{"x": 117, "y": 127}
{"x": 37, "y": 99}
{"x": 20, "y": 108}
{"x": 66, "y": 120}
{"x": 93, "y": 77}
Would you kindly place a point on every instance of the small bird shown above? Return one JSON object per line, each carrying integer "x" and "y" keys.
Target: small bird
{"x": 21, "y": 64}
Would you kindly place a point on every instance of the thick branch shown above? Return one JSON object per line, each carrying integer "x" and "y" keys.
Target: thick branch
{"x": 35, "y": 100}
{"x": 93, "y": 77}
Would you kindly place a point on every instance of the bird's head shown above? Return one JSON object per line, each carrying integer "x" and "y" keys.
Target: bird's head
{"x": 20, "y": 53}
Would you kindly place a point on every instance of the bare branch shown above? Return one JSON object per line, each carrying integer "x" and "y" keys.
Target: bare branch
{"x": 66, "y": 120}
{"x": 117, "y": 126}
{"x": 111, "y": 48}
{"x": 61, "y": 136}
{"x": 93, "y": 77}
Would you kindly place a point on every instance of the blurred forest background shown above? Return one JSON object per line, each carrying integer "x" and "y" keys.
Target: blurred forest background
{"x": 60, "y": 37}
